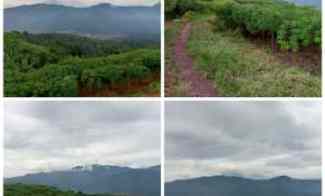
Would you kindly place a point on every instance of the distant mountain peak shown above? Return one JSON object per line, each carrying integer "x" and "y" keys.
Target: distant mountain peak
{"x": 102, "y": 5}
{"x": 282, "y": 178}
{"x": 42, "y": 5}
{"x": 38, "y": 6}
{"x": 83, "y": 168}
{"x": 92, "y": 167}
{"x": 154, "y": 167}
{"x": 95, "y": 178}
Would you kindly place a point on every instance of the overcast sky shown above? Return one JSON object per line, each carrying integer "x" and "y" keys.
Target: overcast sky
{"x": 253, "y": 140}
{"x": 43, "y": 136}
{"x": 78, "y": 3}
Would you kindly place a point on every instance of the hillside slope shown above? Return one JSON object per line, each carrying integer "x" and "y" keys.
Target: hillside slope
{"x": 69, "y": 65}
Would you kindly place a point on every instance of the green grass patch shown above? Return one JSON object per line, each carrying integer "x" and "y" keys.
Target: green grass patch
{"x": 239, "y": 68}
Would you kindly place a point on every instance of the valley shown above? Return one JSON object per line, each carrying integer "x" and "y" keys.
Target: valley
{"x": 98, "y": 51}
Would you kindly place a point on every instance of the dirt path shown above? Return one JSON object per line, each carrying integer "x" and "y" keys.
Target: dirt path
{"x": 197, "y": 85}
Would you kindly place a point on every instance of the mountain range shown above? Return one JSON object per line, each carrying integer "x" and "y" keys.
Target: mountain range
{"x": 98, "y": 179}
{"x": 105, "y": 21}
{"x": 238, "y": 186}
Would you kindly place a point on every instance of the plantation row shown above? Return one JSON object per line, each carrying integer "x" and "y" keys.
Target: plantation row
{"x": 291, "y": 27}
{"x": 39, "y": 190}
{"x": 53, "y": 68}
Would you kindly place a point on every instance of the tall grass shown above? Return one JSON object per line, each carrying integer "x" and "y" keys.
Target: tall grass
{"x": 239, "y": 68}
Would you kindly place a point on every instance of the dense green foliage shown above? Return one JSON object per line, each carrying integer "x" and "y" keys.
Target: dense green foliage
{"x": 59, "y": 65}
{"x": 40, "y": 190}
{"x": 291, "y": 26}
{"x": 176, "y": 8}
{"x": 75, "y": 45}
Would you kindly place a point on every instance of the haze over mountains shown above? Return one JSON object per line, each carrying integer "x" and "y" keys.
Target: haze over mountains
{"x": 99, "y": 179}
{"x": 315, "y": 3}
{"x": 104, "y": 21}
{"x": 234, "y": 186}
{"x": 80, "y": 3}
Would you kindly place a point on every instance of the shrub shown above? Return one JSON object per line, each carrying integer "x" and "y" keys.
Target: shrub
{"x": 292, "y": 26}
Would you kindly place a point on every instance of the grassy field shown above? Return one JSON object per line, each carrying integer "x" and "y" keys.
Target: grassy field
{"x": 238, "y": 66}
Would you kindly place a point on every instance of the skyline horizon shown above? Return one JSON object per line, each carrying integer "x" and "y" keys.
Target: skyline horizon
{"x": 85, "y": 165}
{"x": 173, "y": 180}
{"x": 148, "y": 3}
{"x": 239, "y": 176}
{"x": 83, "y": 7}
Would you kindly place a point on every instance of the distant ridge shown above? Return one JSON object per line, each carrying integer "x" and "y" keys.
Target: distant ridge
{"x": 83, "y": 7}
{"x": 105, "y": 21}
{"x": 99, "y": 179}
{"x": 234, "y": 186}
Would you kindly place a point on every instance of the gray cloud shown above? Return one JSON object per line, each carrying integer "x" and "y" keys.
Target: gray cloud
{"x": 58, "y": 135}
{"x": 251, "y": 139}
{"x": 78, "y": 3}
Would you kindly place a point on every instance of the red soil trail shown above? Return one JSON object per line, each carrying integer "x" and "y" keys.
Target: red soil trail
{"x": 198, "y": 86}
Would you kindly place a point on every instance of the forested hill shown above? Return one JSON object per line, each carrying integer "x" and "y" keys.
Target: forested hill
{"x": 234, "y": 186}
{"x": 69, "y": 65}
{"x": 103, "y": 21}
{"x": 40, "y": 190}
{"x": 96, "y": 179}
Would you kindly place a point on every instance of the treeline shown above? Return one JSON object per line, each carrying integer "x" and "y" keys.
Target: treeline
{"x": 60, "y": 65}
{"x": 62, "y": 44}
{"x": 288, "y": 26}
{"x": 177, "y": 8}
{"x": 40, "y": 190}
